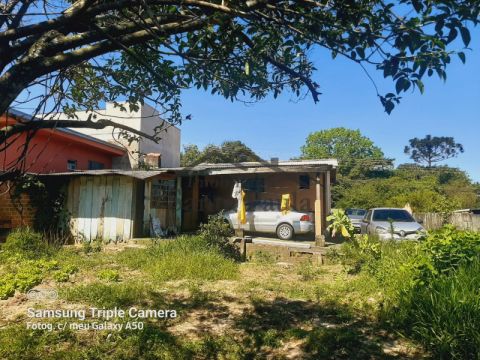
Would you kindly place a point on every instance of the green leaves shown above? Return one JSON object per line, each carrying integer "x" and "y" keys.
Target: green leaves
{"x": 340, "y": 224}
{"x": 465, "y": 33}
{"x": 228, "y": 151}
{"x": 403, "y": 84}
{"x": 342, "y": 144}
{"x": 243, "y": 53}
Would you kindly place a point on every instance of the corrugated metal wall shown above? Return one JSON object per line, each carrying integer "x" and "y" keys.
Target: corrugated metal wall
{"x": 102, "y": 207}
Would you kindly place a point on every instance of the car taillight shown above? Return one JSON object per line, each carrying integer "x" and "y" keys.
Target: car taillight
{"x": 305, "y": 218}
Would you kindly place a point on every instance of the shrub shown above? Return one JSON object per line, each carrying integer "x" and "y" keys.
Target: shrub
{"x": 7, "y": 289}
{"x": 27, "y": 242}
{"x": 109, "y": 275}
{"x": 24, "y": 273}
{"x": 64, "y": 273}
{"x": 217, "y": 233}
{"x": 61, "y": 276}
{"x": 445, "y": 316}
{"x": 448, "y": 248}
{"x": 362, "y": 251}
{"x": 430, "y": 288}
{"x": 340, "y": 224}
{"x": 93, "y": 246}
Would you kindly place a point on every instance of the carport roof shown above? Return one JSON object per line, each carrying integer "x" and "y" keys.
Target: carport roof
{"x": 217, "y": 169}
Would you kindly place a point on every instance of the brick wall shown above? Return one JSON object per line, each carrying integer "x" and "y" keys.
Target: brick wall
{"x": 20, "y": 213}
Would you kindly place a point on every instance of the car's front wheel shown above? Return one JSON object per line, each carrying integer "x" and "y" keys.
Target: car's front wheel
{"x": 285, "y": 231}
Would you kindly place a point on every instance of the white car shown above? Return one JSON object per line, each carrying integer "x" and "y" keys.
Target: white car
{"x": 264, "y": 216}
{"x": 391, "y": 223}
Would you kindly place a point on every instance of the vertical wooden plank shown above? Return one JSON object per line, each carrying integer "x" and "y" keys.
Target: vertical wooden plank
{"x": 178, "y": 205}
{"x": 133, "y": 204}
{"x": 96, "y": 203}
{"x": 107, "y": 216}
{"x": 75, "y": 205}
{"x": 69, "y": 203}
{"x": 127, "y": 224}
{"x": 121, "y": 209}
{"x": 103, "y": 203}
{"x": 83, "y": 221}
{"x": 88, "y": 208}
{"x": 146, "y": 207}
{"x": 114, "y": 210}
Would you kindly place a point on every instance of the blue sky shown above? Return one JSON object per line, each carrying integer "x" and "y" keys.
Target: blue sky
{"x": 278, "y": 127}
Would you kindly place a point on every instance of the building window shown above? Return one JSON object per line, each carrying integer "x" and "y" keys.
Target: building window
{"x": 254, "y": 185}
{"x": 71, "y": 165}
{"x": 95, "y": 165}
{"x": 163, "y": 194}
{"x": 304, "y": 182}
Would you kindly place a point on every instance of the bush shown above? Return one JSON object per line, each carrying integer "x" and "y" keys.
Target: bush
{"x": 7, "y": 289}
{"x": 430, "y": 288}
{"x": 109, "y": 275}
{"x": 340, "y": 224}
{"x": 24, "y": 273}
{"x": 445, "y": 316}
{"x": 93, "y": 246}
{"x": 61, "y": 276}
{"x": 362, "y": 251}
{"x": 27, "y": 242}
{"x": 217, "y": 233}
{"x": 448, "y": 248}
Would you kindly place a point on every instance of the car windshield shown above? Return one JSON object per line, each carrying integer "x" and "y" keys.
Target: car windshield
{"x": 356, "y": 212}
{"x": 392, "y": 215}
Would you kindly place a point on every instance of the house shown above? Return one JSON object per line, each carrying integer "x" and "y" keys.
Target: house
{"x": 63, "y": 150}
{"x": 165, "y": 153}
{"x": 56, "y": 150}
{"x": 122, "y": 204}
{"x": 49, "y": 150}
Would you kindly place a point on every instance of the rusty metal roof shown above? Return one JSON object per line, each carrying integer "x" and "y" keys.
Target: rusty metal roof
{"x": 253, "y": 164}
{"x": 137, "y": 174}
{"x": 213, "y": 169}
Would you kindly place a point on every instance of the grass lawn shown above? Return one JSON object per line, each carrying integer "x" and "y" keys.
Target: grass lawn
{"x": 225, "y": 309}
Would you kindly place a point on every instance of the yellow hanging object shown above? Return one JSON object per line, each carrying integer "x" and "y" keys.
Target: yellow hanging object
{"x": 345, "y": 232}
{"x": 242, "y": 216}
{"x": 285, "y": 205}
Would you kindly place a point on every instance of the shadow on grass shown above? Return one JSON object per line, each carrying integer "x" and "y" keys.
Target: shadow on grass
{"x": 327, "y": 331}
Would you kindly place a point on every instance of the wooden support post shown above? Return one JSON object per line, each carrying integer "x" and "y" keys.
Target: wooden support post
{"x": 178, "y": 205}
{"x": 328, "y": 196}
{"x": 319, "y": 240}
{"x": 243, "y": 249}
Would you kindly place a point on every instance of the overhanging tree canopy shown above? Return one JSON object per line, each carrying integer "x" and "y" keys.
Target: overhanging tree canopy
{"x": 81, "y": 53}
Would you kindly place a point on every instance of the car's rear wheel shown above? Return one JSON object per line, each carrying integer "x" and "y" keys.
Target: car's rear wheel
{"x": 285, "y": 231}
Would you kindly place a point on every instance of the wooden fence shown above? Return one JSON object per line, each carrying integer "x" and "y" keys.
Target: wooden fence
{"x": 463, "y": 221}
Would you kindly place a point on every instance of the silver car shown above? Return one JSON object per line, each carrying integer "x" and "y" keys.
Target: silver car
{"x": 356, "y": 216}
{"x": 391, "y": 223}
{"x": 264, "y": 216}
